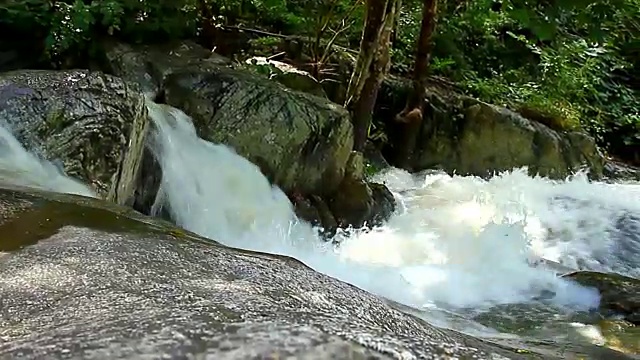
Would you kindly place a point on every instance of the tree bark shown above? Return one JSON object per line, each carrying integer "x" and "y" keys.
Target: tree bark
{"x": 412, "y": 116}
{"x": 371, "y": 66}
{"x": 372, "y": 28}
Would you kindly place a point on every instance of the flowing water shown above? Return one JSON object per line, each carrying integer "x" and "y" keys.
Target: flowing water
{"x": 462, "y": 252}
{"x": 20, "y": 167}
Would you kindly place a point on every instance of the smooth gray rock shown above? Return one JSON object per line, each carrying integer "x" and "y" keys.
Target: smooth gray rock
{"x": 96, "y": 284}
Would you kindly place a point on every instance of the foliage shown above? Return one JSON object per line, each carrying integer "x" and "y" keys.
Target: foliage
{"x": 577, "y": 62}
{"x": 72, "y": 25}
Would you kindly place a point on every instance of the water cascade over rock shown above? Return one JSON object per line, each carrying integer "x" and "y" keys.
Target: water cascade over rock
{"x": 92, "y": 124}
{"x": 448, "y": 266}
{"x": 302, "y": 143}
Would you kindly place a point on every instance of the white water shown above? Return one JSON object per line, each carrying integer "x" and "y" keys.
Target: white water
{"x": 456, "y": 241}
{"x": 460, "y": 241}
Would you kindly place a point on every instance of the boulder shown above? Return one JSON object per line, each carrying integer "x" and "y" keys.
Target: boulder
{"x": 93, "y": 124}
{"x": 148, "y": 65}
{"x": 471, "y": 137}
{"x": 301, "y": 142}
{"x": 100, "y": 281}
{"x": 357, "y": 202}
{"x": 619, "y": 171}
{"x": 620, "y": 294}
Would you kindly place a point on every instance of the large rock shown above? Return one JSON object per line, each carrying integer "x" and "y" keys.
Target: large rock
{"x": 616, "y": 170}
{"x": 301, "y": 142}
{"x": 620, "y": 294}
{"x": 95, "y": 124}
{"x": 471, "y": 137}
{"x": 148, "y": 65}
{"x": 99, "y": 281}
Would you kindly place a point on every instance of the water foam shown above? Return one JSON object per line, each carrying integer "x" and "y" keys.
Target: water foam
{"x": 465, "y": 240}
{"x": 459, "y": 242}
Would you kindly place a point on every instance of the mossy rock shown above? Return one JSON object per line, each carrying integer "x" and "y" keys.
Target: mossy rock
{"x": 621, "y": 335}
{"x": 300, "y": 142}
{"x": 466, "y": 136}
{"x": 620, "y": 295}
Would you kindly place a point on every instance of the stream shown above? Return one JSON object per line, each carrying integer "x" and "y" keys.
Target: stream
{"x": 478, "y": 256}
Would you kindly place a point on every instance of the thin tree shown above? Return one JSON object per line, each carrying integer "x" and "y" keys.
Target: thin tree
{"x": 412, "y": 116}
{"x": 371, "y": 66}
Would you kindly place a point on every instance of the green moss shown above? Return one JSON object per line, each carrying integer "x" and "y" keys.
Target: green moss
{"x": 621, "y": 336}
{"x": 26, "y": 219}
{"x": 55, "y": 122}
{"x": 558, "y": 115}
{"x": 370, "y": 169}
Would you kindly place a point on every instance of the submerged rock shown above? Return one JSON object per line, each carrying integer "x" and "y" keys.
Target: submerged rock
{"x": 470, "y": 137}
{"x": 620, "y": 294}
{"x": 93, "y": 124}
{"x": 98, "y": 281}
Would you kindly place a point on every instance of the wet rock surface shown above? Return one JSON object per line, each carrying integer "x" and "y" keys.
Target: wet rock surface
{"x": 99, "y": 283}
{"x": 620, "y": 294}
{"x": 93, "y": 124}
{"x": 299, "y": 141}
{"x": 357, "y": 202}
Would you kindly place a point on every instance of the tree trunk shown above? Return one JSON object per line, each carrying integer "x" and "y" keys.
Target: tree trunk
{"x": 209, "y": 31}
{"x": 373, "y": 24}
{"x": 371, "y": 66}
{"x": 411, "y": 117}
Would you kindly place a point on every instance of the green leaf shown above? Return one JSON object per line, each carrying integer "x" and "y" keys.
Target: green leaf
{"x": 522, "y": 16}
